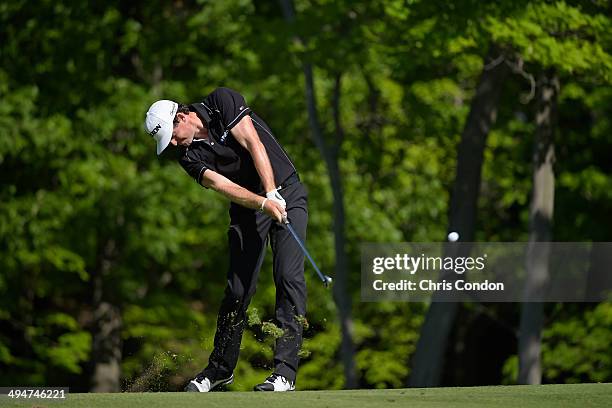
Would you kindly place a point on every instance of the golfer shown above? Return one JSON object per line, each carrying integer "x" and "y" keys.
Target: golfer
{"x": 226, "y": 147}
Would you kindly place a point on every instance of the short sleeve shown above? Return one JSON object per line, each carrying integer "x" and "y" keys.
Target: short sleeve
{"x": 231, "y": 105}
{"x": 193, "y": 165}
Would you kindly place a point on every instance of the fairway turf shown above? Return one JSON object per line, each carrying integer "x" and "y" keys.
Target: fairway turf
{"x": 525, "y": 396}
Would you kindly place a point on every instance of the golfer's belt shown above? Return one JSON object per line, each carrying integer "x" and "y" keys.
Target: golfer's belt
{"x": 293, "y": 178}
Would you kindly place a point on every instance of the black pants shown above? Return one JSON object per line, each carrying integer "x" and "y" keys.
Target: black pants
{"x": 248, "y": 235}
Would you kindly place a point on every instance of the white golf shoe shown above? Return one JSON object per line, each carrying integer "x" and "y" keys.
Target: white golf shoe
{"x": 204, "y": 384}
{"x": 275, "y": 382}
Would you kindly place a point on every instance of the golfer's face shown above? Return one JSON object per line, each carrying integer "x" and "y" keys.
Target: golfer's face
{"x": 183, "y": 132}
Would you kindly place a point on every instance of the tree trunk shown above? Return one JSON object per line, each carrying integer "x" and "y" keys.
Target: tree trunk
{"x": 106, "y": 348}
{"x": 330, "y": 156}
{"x": 599, "y": 278}
{"x": 341, "y": 290}
{"x": 106, "y": 330}
{"x": 540, "y": 219}
{"x": 428, "y": 360}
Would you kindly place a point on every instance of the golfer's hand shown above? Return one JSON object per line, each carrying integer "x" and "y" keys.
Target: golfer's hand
{"x": 274, "y": 195}
{"x": 275, "y": 210}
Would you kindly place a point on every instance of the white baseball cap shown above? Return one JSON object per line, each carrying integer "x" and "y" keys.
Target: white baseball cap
{"x": 159, "y": 122}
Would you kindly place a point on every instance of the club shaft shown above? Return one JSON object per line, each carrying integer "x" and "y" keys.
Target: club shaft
{"x": 301, "y": 244}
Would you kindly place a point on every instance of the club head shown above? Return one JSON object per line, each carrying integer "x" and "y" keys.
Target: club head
{"x": 328, "y": 281}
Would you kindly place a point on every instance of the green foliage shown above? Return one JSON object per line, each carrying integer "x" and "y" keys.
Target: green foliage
{"x": 71, "y": 350}
{"x": 558, "y": 34}
{"x": 575, "y": 349}
{"x": 394, "y": 329}
{"x": 578, "y": 349}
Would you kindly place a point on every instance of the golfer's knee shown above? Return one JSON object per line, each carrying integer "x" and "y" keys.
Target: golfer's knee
{"x": 238, "y": 297}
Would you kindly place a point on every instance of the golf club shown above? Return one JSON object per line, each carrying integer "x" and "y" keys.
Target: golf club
{"x": 324, "y": 278}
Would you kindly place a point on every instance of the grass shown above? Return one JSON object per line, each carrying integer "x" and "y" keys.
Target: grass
{"x": 526, "y": 396}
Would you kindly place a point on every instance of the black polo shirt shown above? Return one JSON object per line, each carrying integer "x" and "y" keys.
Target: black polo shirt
{"x": 220, "y": 111}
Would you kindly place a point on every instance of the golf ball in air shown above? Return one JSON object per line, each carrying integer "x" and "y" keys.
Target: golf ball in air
{"x": 453, "y": 236}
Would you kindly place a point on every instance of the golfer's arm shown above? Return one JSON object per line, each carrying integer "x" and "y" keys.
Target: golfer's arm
{"x": 245, "y": 134}
{"x": 231, "y": 190}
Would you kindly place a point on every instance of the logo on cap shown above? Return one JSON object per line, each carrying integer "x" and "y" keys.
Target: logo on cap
{"x": 155, "y": 129}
